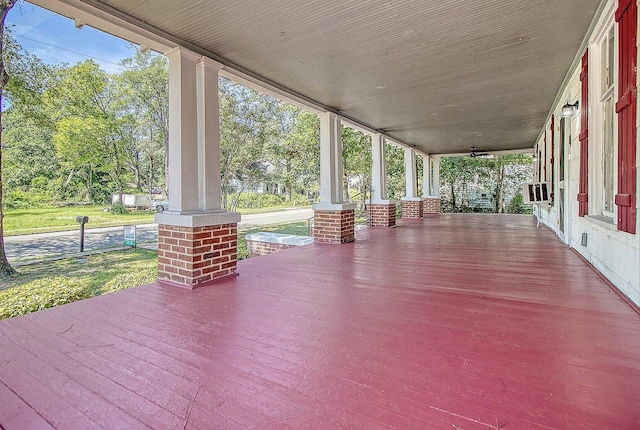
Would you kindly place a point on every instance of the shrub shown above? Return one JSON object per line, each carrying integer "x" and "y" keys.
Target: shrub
{"x": 129, "y": 280}
{"x": 517, "y": 206}
{"x": 41, "y": 294}
{"x": 258, "y": 200}
{"x": 119, "y": 209}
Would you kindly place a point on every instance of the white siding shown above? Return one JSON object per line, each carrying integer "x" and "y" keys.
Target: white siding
{"x": 615, "y": 254}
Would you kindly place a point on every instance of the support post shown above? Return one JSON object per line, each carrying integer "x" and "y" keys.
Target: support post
{"x": 430, "y": 201}
{"x": 383, "y": 211}
{"x": 426, "y": 176}
{"x": 333, "y": 217}
{"x": 197, "y": 240}
{"x": 411, "y": 202}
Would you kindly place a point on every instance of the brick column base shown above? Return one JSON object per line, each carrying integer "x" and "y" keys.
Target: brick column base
{"x": 412, "y": 208}
{"x": 431, "y": 205}
{"x": 382, "y": 215}
{"x": 192, "y": 256}
{"x": 334, "y": 226}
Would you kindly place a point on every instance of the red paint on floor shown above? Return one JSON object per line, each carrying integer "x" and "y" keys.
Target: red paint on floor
{"x": 454, "y": 321}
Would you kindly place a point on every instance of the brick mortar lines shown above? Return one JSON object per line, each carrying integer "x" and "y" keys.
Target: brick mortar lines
{"x": 411, "y": 209}
{"x": 193, "y": 255}
{"x": 334, "y": 226}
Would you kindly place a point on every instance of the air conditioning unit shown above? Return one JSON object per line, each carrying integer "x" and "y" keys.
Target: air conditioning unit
{"x": 538, "y": 192}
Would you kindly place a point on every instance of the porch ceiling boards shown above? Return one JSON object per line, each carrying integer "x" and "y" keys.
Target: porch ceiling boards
{"x": 473, "y": 321}
{"x": 441, "y": 75}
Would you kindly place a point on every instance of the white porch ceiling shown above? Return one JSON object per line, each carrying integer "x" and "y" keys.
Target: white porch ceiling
{"x": 442, "y": 75}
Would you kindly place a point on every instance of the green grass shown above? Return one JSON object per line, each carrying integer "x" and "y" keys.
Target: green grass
{"x": 96, "y": 270}
{"x": 109, "y": 271}
{"x": 45, "y": 220}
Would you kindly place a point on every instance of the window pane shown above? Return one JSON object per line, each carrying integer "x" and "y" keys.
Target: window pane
{"x": 608, "y": 174}
{"x": 611, "y": 56}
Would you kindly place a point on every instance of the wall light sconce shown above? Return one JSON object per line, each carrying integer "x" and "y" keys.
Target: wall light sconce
{"x": 568, "y": 109}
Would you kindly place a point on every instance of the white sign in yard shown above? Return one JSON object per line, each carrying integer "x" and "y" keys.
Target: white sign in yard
{"x": 130, "y": 235}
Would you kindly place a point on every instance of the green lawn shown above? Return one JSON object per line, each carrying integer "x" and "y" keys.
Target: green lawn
{"x": 44, "y": 220}
{"x": 96, "y": 269}
{"x": 98, "y": 273}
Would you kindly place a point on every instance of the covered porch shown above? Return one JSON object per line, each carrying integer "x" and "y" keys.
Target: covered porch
{"x": 464, "y": 321}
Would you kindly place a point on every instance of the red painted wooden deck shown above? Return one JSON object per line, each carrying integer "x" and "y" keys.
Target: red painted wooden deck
{"x": 451, "y": 322}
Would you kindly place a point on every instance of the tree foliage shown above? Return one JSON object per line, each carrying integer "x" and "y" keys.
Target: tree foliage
{"x": 470, "y": 184}
{"x": 5, "y": 6}
{"x": 78, "y": 133}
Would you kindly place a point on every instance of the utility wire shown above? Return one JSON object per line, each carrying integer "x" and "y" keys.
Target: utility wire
{"x": 68, "y": 50}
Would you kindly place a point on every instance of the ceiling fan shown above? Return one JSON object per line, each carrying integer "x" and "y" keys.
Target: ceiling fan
{"x": 475, "y": 154}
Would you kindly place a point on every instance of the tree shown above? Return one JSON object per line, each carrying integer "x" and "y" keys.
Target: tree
{"x": 501, "y": 175}
{"x": 247, "y": 125}
{"x": 5, "y": 7}
{"x": 395, "y": 172}
{"x": 506, "y": 174}
{"x": 143, "y": 93}
{"x": 90, "y": 134}
{"x": 295, "y": 153}
{"x": 455, "y": 175}
{"x": 356, "y": 160}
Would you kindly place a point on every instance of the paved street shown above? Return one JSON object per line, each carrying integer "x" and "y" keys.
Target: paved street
{"x": 38, "y": 246}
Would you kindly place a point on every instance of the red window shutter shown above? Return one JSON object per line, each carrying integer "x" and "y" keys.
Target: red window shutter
{"x": 544, "y": 161}
{"x": 627, "y": 18}
{"x": 583, "y": 184}
{"x": 551, "y": 157}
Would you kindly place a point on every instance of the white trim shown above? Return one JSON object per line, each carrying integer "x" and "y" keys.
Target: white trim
{"x": 197, "y": 219}
{"x": 333, "y": 206}
{"x": 279, "y": 238}
{"x": 384, "y": 202}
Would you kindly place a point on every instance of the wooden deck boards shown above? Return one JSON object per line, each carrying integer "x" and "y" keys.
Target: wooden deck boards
{"x": 474, "y": 321}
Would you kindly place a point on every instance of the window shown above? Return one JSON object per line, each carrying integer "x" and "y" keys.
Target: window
{"x": 607, "y": 163}
{"x": 608, "y": 154}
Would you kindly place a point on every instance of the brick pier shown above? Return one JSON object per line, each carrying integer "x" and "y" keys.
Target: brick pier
{"x": 412, "y": 208}
{"x": 192, "y": 256}
{"x": 334, "y": 226}
{"x": 383, "y": 215}
{"x": 431, "y": 205}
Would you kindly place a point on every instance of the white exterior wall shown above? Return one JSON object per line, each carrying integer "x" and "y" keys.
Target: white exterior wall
{"x": 613, "y": 253}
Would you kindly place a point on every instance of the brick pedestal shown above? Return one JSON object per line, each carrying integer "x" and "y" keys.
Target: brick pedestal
{"x": 382, "y": 215}
{"x": 431, "y": 205}
{"x": 412, "y": 208}
{"x": 263, "y": 243}
{"x": 192, "y": 256}
{"x": 331, "y": 226}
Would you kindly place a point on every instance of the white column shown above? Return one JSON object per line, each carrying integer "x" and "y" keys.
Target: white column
{"x": 208, "y": 118}
{"x": 183, "y": 140}
{"x": 378, "y": 169}
{"x": 194, "y": 143}
{"x": 436, "y": 176}
{"x": 426, "y": 176}
{"x": 411, "y": 178}
{"x": 331, "y": 171}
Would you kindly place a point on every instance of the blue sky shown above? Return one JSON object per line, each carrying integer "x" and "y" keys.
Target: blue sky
{"x": 54, "y": 38}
